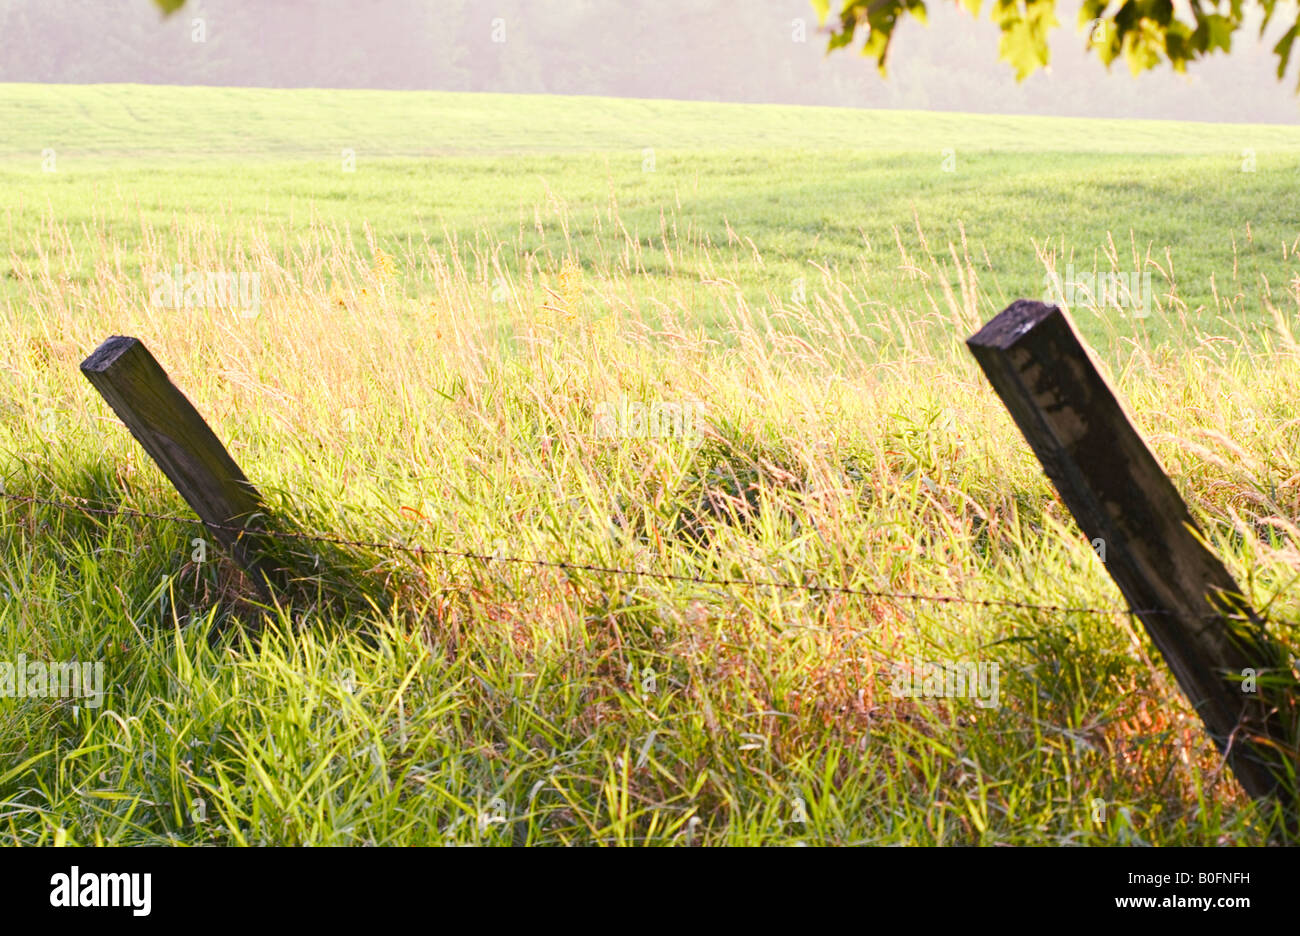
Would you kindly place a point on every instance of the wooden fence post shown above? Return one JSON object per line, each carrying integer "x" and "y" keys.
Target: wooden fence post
{"x": 1117, "y": 491}
{"x": 171, "y": 430}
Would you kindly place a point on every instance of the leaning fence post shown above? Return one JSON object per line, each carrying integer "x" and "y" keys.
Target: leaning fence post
{"x": 171, "y": 430}
{"x": 1117, "y": 491}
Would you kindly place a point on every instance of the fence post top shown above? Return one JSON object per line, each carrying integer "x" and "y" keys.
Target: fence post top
{"x": 108, "y": 352}
{"x": 1012, "y": 323}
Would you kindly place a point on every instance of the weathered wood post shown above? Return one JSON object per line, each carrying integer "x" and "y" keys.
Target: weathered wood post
{"x": 1117, "y": 491}
{"x": 171, "y": 430}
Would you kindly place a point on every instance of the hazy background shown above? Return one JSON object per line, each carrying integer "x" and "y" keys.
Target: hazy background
{"x": 718, "y": 50}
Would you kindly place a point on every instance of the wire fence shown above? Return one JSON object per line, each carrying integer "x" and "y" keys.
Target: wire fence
{"x": 421, "y": 550}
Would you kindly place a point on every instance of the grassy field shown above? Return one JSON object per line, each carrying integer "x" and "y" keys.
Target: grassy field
{"x": 435, "y": 337}
{"x": 765, "y": 198}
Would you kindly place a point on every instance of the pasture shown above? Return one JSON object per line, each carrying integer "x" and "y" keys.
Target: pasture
{"x": 440, "y": 317}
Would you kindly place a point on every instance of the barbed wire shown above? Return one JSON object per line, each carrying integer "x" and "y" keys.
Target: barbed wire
{"x": 566, "y": 565}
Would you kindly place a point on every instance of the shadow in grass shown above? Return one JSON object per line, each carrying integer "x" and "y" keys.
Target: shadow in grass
{"x": 314, "y": 580}
{"x": 724, "y": 488}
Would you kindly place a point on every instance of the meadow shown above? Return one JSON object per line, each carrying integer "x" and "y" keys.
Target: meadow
{"x": 442, "y": 314}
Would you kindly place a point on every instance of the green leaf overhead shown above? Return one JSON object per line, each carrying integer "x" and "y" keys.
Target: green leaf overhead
{"x": 1144, "y": 33}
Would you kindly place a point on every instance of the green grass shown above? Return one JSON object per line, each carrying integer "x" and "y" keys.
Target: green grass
{"x": 135, "y": 121}
{"x": 436, "y": 333}
{"x": 778, "y": 190}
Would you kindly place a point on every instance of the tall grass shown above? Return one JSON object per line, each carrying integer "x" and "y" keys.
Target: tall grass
{"x": 444, "y": 392}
